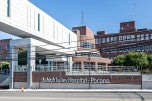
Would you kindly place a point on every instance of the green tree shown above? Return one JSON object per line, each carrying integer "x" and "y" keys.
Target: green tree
{"x": 119, "y": 60}
{"x": 134, "y": 59}
{"x": 4, "y": 65}
{"x": 144, "y": 61}
{"x": 149, "y": 58}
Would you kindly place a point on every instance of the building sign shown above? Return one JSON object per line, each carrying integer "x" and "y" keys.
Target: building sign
{"x": 74, "y": 80}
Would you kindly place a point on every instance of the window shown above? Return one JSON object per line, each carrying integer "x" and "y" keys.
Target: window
{"x": 8, "y": 8}
{"x": 97, "y": 41}
{"x": 150, "y": 47}
{"x": 132, "y": 48}
{"x": 150, "y": 36}
{"x": 107, "y": 40}
{"x": 140, "y": 48}
{"x": 146, "y": 36}
{"x": 103, "y": 40}
{"x": 142, "y": 37}
{"x": 128, "y": 37}
{"x": 77, "y": 66}
{"x": 128, "y": 49}
{"x": 113, "y": 50}
{"x": 138, "y": 37}
{"x": 100, "y": 40}
{"x": 120, "y": 49}
{"x": 38, "y": 22}
{"x": 120, "y": 38}
{"x": 114, "y": 39}
{"x": 125, "y": 49}
{"x": 111, "y": 39}
{"x": 0, "y": 48}
{"x": 132, "y": 37}
{"x": 124, "y": 38}
{"x": 7, "y": 47}
{"x": 147, "y": 47}
{"x": 87, "y": 45}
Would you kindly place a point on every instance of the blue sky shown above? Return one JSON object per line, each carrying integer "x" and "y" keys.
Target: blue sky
{"x": 98, "y": 14}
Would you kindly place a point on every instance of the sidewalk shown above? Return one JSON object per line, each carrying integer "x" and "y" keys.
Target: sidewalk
{"x": 82, "y": 90}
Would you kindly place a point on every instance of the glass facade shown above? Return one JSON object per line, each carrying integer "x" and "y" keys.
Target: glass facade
{"x": 87, "y": 45}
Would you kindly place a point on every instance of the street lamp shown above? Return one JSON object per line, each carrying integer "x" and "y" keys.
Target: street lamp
{"x": 141, "y": 70}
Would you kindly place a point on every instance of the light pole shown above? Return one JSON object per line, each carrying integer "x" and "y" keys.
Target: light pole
{"x": 141, "y": 70}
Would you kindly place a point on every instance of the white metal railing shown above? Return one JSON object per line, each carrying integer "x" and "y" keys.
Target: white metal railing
{"x": 75, "y": 70}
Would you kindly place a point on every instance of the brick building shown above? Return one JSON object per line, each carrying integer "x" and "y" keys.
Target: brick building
{"x": 129, "y": 39}
{"x": 86, "y": 55}
{"x": 4, "y": 49}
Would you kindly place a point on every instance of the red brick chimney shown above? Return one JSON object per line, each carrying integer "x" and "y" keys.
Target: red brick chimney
{"x": 127, "y": 27}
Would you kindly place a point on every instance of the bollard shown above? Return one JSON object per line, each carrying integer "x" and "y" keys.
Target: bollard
{"x": 22, "y": 88}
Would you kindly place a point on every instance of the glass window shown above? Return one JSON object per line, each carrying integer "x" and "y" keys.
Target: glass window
{"x": 100, "y": 40}
{"x": 38, "y": 22}
{"x": 133, "y": 48}
{"x": 120, "y": 49}
{"x": 111, "y": 39}
{"x": 146, "y": 47}
{"x": 138, "y": 37}
{"x": 150, "y": 36}
{"x": 120, "y": 38}
{"x": 87, "y": 45}
{"x": 128, "y": 37}
{"x": 142, "y": 37}
{"x": 108, "y": 40}
{"x": 7, "y": 47}
{"x": 0, "y": 48}
{"x": 77, "y": 66}
{"x": 103, "y": 40}
{"x": 150, "y": 47}
{"x": 97, "y": 41}
{"x": 147, "y": 36}
{"x": 124, "y": 38}
{"x": 132, "y": 37}
{"x": 115, "y": 39}
{"x": 113, "y": 50}
{"x": 8, "y": 8}
{"x": 140, "y": 48}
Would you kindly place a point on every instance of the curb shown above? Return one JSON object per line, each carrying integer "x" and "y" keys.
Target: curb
{"x": 82, "y": 90}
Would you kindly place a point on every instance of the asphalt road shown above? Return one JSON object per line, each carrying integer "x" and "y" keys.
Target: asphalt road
{"x": 71, "y": 96}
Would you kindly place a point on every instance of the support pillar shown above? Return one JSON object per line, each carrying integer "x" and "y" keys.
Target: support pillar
{"x": 13, "y": 65}
{"x": 96, "y": 66}
{"x": 69, "y": 59}
{"x": 106, "y": 67}
{"x": 82, "y": 66}
{"x": 30, "y": 64}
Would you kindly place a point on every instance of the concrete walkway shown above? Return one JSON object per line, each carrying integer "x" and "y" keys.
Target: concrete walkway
{"x": 81, "y": 90}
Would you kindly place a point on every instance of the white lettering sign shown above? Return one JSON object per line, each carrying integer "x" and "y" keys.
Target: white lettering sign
{"x": 74, "y": 80}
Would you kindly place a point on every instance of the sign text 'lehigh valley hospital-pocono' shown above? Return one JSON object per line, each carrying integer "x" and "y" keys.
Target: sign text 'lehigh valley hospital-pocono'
{"x": 74, "y": 80}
